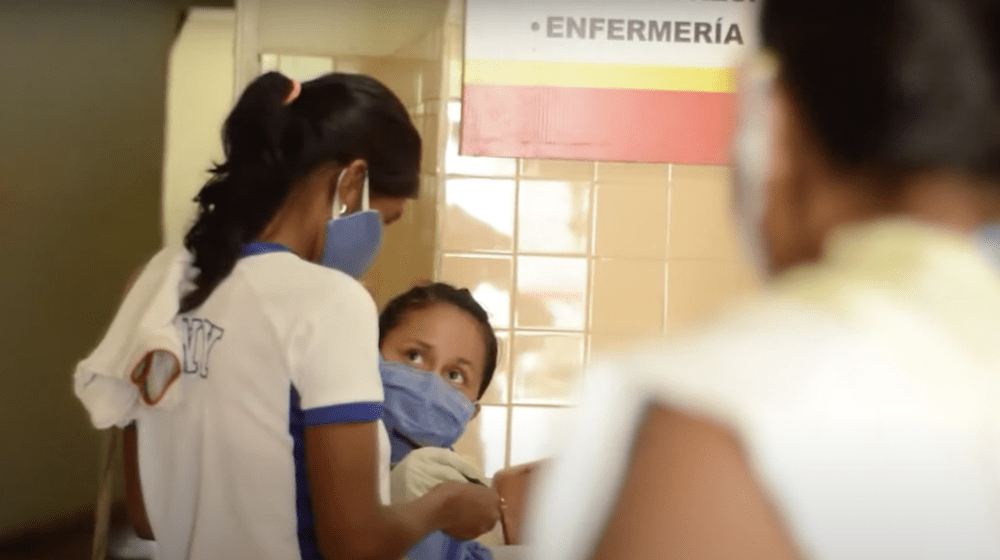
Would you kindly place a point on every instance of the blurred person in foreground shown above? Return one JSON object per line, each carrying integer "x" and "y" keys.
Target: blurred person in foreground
{"x": 852, "y": 410}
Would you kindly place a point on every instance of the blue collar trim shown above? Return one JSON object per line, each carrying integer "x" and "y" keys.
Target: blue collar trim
{"x": 262, "y": 248}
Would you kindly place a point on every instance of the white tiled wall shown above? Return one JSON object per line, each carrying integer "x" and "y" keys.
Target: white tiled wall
{"x": 573, "y": 259}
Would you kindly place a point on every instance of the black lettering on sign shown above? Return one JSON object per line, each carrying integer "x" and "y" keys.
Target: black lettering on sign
{"x": 682, "y": 30}
{"x": 198, "y": 338}
{"x": 734, "y": 34}
{"x": 596, "y": 26}
{"x": 554, "y": 27}
{"x": 702, "y": 31}
{"x": 616, "y": 29}
{"x": 659, "y": 30}
{"x": 636, "y": 27}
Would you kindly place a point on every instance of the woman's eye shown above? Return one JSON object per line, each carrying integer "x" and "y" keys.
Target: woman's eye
{"x": 456, "y": 377}
{"x": 414, "y": 357}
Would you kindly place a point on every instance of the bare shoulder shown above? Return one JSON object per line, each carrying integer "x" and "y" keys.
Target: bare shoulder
{"x": 689, "y": 493}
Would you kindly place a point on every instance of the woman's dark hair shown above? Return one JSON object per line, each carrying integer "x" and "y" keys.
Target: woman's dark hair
{"x": 270, "y": 144}
{"x": 894, "y": 87}
{"x": 426, "y": 295}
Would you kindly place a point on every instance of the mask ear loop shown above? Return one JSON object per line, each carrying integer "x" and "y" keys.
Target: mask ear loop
{"x": 758, "y": 88}
{"x": 338, "y": 208}
{"x": 365, "y": 201}
{"x": 752, "y": 152}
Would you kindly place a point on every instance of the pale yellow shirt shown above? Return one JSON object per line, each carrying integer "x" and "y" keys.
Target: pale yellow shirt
{"x": 865, "y": 389}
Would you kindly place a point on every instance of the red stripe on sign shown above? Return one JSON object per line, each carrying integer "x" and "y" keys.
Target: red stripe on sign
{"x": 597, "y": 124}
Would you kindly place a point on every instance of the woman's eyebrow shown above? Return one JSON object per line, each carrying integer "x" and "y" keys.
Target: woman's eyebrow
{"x": 467, "y": 364}
{"x": 421, "y": 343}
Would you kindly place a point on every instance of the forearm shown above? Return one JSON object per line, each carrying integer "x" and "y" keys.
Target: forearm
{"x": 351, "y": 523}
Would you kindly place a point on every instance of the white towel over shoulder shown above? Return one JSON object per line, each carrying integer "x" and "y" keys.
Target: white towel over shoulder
{"x": 138, "y": 360}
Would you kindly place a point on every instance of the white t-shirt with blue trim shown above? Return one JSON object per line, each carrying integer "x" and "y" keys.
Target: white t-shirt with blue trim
{"x": 280, "y": 345}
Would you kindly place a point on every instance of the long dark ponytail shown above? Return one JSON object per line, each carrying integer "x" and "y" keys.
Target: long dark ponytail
{"x": 269, "y": 145}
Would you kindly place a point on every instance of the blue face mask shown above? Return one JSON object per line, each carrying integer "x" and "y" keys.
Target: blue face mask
{"x": 421, "y": 409}
{"x": 353, "y": 241}
{"x": 989, "y": 242}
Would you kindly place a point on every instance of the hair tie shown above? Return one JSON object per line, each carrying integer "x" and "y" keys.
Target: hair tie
{"x": 294, "y": 94}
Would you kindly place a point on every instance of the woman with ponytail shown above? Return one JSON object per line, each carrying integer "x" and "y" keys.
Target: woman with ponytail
{"x": 277, "y": 449}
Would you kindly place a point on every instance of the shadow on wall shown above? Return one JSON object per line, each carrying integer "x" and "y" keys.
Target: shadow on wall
{"x": 80, "y": 158}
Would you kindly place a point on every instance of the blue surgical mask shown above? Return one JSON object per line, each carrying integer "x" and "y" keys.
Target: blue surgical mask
{"x": 421, "y": 409}
{"x": 988, "y": 238}
{"x": 751, "y": 155}
{"x": 353, "y": 241}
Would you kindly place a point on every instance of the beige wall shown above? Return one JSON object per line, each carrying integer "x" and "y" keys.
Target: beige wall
{"x": 573, "y": 259}
{"x": 199, "y": 96}
{"x": 408, "y": 251}
{"x": 81, "y": 112}
{"x": 375, "y": 28}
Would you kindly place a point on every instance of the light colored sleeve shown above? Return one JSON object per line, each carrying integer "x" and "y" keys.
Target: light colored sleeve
{"x": 335, "y": 358}
{"x": 423, "y": 469}
{"x": 576, "y": 490}
{"x": 509, "y": 552}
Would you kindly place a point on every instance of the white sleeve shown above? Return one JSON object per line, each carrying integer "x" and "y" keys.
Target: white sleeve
{"x": 577, "y": 489}
{"x": 335, "y": 358}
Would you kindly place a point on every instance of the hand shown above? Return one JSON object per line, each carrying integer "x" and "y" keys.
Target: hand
{"x": 467, "y": 510}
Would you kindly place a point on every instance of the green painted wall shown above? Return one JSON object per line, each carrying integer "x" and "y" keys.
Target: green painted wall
{"x": 81, "y": 115}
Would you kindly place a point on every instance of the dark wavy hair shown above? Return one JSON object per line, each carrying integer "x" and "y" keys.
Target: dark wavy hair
{"x": 426, "y": 295}
{"x": 270, "y": 145}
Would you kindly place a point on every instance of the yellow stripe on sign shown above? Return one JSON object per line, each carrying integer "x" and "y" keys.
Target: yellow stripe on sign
{"x": 605, "y": 76}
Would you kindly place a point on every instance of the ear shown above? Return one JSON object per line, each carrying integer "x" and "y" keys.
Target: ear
{"x": 476, "y": 412}
{"x": 795, "y": 203}
{"x": 787, "y": 137}
{"x": 351, "y": 184}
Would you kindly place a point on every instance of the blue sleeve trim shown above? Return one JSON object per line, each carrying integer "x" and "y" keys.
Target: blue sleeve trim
{"x": 343, "y": 413}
